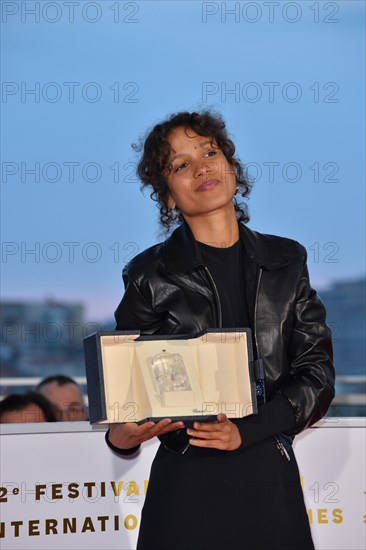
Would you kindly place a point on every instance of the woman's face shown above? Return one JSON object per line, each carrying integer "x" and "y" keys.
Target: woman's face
{"x": 200, "y": 179}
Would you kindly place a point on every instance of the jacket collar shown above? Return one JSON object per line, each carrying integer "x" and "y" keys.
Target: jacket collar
{"x": 180, "y": 251}
{"x": 182, "y": 254}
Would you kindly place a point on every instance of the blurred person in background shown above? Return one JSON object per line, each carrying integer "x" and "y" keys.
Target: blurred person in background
{"x": 66, "y": 397}
{"x": 28, "y": 407}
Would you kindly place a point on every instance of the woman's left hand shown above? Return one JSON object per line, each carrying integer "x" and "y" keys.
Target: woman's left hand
{"x": 222, "y": 434}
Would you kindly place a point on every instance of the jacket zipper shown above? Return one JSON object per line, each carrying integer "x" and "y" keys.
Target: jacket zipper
{"x": 259, "y": 277}
{"x": 280, "y": 447}
{"x": 218, "y": 304}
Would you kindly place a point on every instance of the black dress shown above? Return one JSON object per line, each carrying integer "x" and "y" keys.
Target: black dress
{"x": 207, "y": 499}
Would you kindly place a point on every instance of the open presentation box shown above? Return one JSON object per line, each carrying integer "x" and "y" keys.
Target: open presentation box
{"x": 133, "y": 378}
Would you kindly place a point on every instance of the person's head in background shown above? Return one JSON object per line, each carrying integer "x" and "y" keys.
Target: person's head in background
{"x": 27, "y": 407}
{"x": 65, "y": 395}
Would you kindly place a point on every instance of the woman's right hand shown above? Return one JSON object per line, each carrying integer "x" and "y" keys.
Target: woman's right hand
{"x": 129, "y": 435}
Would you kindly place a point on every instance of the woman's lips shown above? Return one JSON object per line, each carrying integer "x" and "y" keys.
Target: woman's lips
{"x": 207, "y": 185}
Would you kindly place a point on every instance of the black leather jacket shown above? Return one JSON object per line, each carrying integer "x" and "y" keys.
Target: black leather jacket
{"x": 170, "y": 291}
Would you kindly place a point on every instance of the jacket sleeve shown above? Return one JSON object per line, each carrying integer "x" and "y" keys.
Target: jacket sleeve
{"x": 306, "y": 394}
{"x": 310, "y": 386}
{"x": 134, "y": 311}
{"x": 274, "y": 417}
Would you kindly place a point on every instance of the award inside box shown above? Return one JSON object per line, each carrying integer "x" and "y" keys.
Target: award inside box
{"x": 171, "y": 379}
{"x": 150, "y": 378}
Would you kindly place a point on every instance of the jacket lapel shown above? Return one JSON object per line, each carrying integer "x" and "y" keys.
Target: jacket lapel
{"x": 180, "y": 251}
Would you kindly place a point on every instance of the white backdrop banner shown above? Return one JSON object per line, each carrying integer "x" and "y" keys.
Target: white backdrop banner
{"x": 65, "y": 489}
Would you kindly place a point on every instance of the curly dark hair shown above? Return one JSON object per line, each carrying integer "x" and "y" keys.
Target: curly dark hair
{"x": 155, "y": 159}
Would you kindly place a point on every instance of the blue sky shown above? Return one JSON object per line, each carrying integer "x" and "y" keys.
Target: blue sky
{"x": 289, "y": 82}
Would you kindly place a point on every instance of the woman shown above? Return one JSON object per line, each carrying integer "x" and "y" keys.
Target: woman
{"x": 231, "y": 483}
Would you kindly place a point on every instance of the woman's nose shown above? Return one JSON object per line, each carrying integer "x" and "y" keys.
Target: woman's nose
{"x": 202, "y": 168}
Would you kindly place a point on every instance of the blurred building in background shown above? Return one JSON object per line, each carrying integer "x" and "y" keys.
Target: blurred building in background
{"x": 346, "y": 307}
{"x": 39, "y": 339}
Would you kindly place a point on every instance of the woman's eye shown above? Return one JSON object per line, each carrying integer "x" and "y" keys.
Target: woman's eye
{"x": 210, "y": 154}
{"x": 181, "y": 166}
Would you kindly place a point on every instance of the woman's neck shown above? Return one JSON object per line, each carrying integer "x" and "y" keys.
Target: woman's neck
{"x": 218, "y": 229}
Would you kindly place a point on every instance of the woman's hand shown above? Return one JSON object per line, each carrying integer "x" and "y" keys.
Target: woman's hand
{"x": 129, "y": 435}
{"x": 222, "y": 434}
